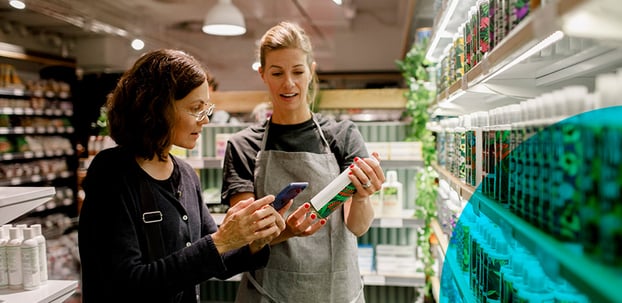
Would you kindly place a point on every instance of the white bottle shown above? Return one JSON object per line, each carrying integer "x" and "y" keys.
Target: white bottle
{"x": 31, "y": 275}
{"x": 392, "y": 196}
{"x": 14, "y": 258}
{"x": 43, "y": 258}
{"x": 4, "y": 272}
{"x": 376, "y": 203}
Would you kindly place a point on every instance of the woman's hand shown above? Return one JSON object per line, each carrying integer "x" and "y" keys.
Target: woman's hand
{"x": 367, "y": 176}
{"x": 248, "y": 221}
{"x": 300, "y": 223}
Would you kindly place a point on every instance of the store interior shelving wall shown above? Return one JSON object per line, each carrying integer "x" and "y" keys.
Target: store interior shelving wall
{"x": 561, "y": 46}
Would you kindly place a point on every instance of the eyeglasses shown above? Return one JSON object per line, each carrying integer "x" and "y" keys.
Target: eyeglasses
{"x": 204, "y": 113}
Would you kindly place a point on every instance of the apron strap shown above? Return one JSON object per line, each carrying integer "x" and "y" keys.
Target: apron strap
{"x": 258, "y": 287}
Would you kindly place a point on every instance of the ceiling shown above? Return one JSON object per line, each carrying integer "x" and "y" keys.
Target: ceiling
{"x": 355, "y": 43}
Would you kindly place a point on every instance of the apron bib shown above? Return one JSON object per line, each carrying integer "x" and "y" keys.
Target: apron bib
{"x": 301, "y": 269}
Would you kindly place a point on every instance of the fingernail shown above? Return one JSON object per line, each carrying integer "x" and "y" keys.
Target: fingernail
{"x": 356, "y": 159}
{"x": 307, "y": 205}
{"x": 351, "y": 166}
{"x": 322, "y": 221}
{"x": 350, "y": 173}
{"x": 313, "y": 216}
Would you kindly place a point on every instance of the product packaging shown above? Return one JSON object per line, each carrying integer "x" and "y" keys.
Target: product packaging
{"x": 333, "y": 195}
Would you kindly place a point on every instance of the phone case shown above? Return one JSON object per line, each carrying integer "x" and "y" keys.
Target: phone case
{"x": 289, "y": 192}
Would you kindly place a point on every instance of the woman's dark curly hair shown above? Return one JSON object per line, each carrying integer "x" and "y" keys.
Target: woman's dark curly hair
{"x": 141, "y": 108}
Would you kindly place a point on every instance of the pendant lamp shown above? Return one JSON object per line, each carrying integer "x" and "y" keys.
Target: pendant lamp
{"x": 224, "y": 19}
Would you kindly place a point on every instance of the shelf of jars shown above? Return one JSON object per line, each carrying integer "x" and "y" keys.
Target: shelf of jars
{"x": 447, "y": 258}
{"x": 14, "y": 202}
{"x": 542, "y": 53}
{"x": 562, "y": 259}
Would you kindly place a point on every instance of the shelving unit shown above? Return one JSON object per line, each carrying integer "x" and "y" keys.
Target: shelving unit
{"x": 36, "y": 127}
{"x": 14, "y": 202}
{"x": 518, "y": 69}
{"x": 512, "y": 71}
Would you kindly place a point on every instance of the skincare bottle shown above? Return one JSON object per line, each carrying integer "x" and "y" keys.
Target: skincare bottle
{"x": 392, "y": 195}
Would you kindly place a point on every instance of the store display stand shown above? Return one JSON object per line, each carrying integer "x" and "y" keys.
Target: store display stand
{"x": 14, "y": 202}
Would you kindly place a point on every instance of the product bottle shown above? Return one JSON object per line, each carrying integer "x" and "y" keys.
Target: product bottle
{"x": 333, "y": 195}
{"x": 14, "y": 258}
{"x": 30, "y": 260}
{"x": 4, "y": 273}
{"x": 43, "y": 260}
{"x": 392, "y": 195}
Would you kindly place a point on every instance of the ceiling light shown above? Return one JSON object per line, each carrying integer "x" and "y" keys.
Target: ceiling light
{"x": 224, "y": 19}
{"x": 17, "y": 4}
{"x": 138, "y": 44}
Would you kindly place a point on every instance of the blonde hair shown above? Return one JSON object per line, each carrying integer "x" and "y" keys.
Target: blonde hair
{"x": 290, "y": 35}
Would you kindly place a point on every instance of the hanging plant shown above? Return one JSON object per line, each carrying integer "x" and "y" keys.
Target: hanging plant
{"x": 418, "y": 100}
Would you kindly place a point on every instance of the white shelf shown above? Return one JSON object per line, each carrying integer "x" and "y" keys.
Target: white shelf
{"x": 53, "y": 291}
{"x": 16, "y": 201}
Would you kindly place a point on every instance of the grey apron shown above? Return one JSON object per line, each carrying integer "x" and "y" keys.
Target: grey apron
{"x": 303, "y": 269}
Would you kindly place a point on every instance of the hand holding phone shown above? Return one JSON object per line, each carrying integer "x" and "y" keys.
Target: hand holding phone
{"x": 287, "y": 193}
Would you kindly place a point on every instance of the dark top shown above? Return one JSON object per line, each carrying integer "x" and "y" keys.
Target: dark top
{"x": 343, "y": 137}
{"x": 112, "y": 240}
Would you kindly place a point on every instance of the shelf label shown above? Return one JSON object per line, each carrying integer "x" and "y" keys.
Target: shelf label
{"x": 18, "y": 111}
{"x": 29, "y": 111}
{"x": 391, "y": 222}
{"x": 7, "y": 111}
{"x": 16, "y": 181}
{"x": 29, "y": 130}
{"x": 29, "y": 154}
{"x": 18, "y": 130}
{"x": 35, "y": 178}
{"x": 7, "y": 157}
{"x": 374, "y": 280}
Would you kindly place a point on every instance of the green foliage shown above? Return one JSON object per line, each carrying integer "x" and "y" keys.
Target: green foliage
{"x": 418, "y": 101}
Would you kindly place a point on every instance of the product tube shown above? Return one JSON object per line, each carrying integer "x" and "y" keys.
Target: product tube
{"x": 333, "y": 195}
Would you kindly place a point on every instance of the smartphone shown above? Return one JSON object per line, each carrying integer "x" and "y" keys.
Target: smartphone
{"x": 287, "y": 193}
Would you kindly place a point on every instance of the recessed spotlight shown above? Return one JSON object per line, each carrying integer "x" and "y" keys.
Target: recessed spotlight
{"x": 138, "y": 44}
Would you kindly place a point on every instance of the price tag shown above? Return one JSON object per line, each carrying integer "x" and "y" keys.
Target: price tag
{"x": 18, "y": 130}
{"x": 29, "y": 130}
{"x": 36, "y": 178}
{"x": 29, "y": 111}
{"x": 29, "y": 154}
{"x": 16, "y": 181}
{"x": 7, "y": 157}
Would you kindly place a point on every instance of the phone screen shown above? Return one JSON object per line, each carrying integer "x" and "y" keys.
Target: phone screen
{"x": 287, "y": 193}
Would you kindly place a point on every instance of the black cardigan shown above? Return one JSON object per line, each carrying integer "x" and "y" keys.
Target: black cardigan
{"x": 112, "y": 241}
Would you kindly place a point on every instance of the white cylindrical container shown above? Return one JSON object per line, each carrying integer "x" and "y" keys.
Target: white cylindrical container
{"x": 14, "y": 258}
{"x": 335, "y": 194}
{"x": 43, "y": 258}
{"x": 31, "y": 275}
{"x": 392, "y": 190}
